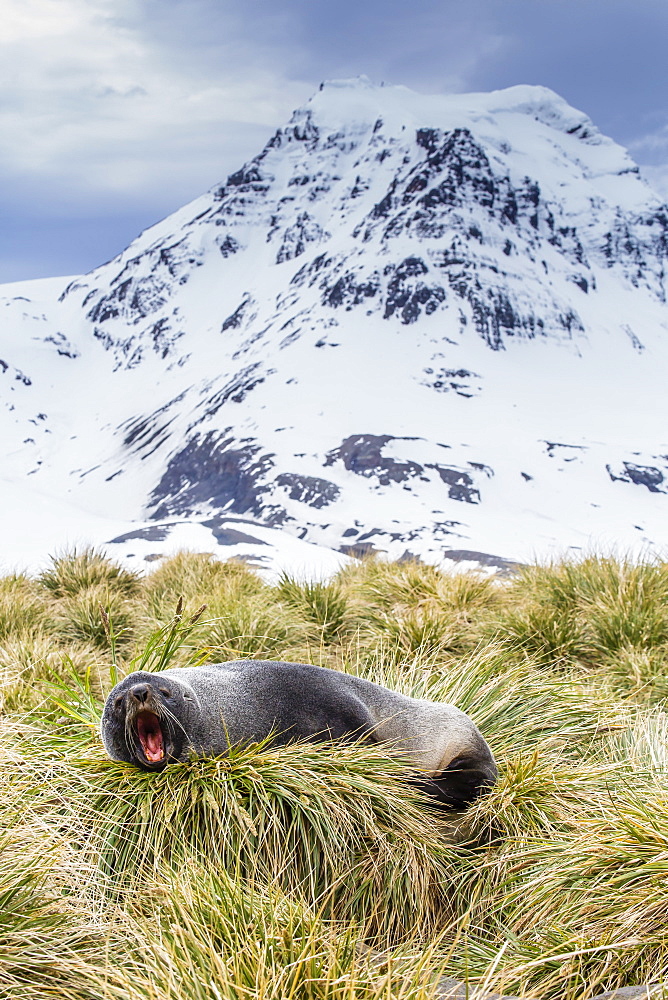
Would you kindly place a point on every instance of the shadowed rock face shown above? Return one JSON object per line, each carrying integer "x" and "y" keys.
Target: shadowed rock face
{"x": 642, "y": 475}
{"x": 460, "y": 484}
{"x": 154, "y": 533}
{"x": 362, "y": 454}
{"x": 231, "y": 536}
{"x": 222, "y": 472}
{"x": 212, "y": 470}
{"x": 308, "y": 489}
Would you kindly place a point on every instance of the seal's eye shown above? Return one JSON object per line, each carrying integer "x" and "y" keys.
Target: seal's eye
{"x": 165, "y": 691}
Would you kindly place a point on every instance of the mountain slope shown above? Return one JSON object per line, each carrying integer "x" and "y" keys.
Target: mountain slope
{"x": 411, "y": 323}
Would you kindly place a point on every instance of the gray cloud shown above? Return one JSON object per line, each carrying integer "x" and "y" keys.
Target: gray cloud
{"x": 115, "y": 112}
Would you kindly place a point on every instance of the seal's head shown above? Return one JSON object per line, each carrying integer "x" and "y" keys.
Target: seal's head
{"x": 145, "y": 720}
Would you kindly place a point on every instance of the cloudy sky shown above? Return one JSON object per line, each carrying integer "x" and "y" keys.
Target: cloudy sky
{"x": 113, "y": 113}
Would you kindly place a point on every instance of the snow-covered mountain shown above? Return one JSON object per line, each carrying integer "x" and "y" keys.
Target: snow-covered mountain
{"x": 434, "y": 325}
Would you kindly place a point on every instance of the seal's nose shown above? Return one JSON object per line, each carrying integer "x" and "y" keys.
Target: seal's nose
{"x": 140, "y": 692}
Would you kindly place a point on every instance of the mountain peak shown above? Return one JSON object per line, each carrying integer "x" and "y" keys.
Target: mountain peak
{"x": 404, "y": 326}
{"x": 361, "y": 82}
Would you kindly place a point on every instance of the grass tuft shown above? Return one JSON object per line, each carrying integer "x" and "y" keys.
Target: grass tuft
{"x": 76, "y": 570}
{"x": 324, "y": 604}
{"x": 323, "y": 822}
{"x": 78, "y": 617}
{"x": 23, "y": 607}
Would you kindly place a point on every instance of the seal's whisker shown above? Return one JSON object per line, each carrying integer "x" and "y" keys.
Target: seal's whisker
{"x": 170, "y": 715}
{"x": 129, "y": 733}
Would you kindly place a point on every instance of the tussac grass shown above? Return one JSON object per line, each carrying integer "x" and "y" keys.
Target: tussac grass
{"x": 313, "y": 871}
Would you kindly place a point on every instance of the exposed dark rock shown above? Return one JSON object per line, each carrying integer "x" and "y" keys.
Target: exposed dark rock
{"x": 440, "y": 529}
{"x": 642, "y": 475}
{"x": 362, "y": 454}
{"x": 154, "y": 533}
{"x": 636, "y": 343}
{"x": 126, "y": 350}
{"x": 580, "y": 281}
{"x": 136, "y": 295}
{"x": 230, "y": 536}
{"x": 235, "y": 320}
{"x": 296, "y": 237}
{"x": 460, "y": 168}
{"x": 143, "y": 434}
{"x": 566, "y": 239}
{"x": 562, "y": 450}
{"x": 639, "y": 247}
{"x": 228, "y": 246}
{"x": 373, "y": 532}
{"x": 429, "y": 138}
{"x": 495, "y": 316}
{"x": 104, "y": 310}
{"x": 75, "y": 286}
{"x": 309, "y": 272}
{"x": 234, "y": 391}
{"x": 383, "y": 208}
{"x": 460, "y": 484}
{"x": 213, "y": 471}
{"x": 62, "y": 345}
{"x": 308, "y": 489}
{"x": 484, "y": 558}
{"x": 177, "y": 259}
{"x": 162, "y": 341}
{"x": 247, "y": 177}
{"x": 435, "y": 200}
{"x": 349, "y": 290}
{"x": 408, "y": 296}
{"x": 302, "y": 128}
{"x": 507, "y": 255}
{"x": 481, "y": 467}
{"x": 147, "y": 434}
{"x": 300, "y": 180}
{"x": 360, "y": 186}
{"x": 459, "y": 380}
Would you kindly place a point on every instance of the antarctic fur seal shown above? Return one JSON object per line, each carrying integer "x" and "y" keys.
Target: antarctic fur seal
{"x": 151, "y": 719}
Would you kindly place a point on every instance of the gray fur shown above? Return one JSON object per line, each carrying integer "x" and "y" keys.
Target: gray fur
{"x": 208, "y": 708}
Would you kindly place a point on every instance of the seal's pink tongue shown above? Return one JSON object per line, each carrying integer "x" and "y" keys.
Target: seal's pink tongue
{"x": 150, "y": 736}
{"x": 154, "y": 749}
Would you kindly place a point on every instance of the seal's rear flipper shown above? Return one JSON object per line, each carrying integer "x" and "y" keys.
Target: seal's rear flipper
{"x": 462, "y": 781}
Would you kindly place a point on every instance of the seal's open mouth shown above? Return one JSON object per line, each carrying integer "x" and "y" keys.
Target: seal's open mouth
{"x": 150, "y": 736}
